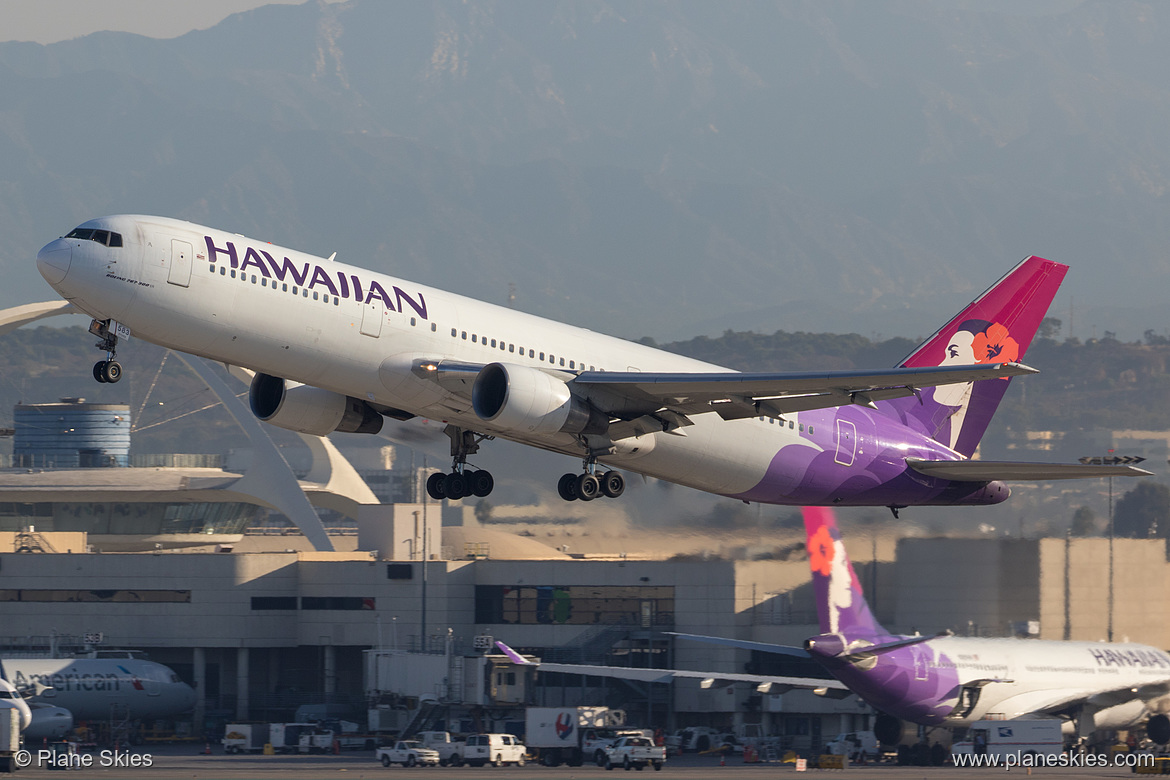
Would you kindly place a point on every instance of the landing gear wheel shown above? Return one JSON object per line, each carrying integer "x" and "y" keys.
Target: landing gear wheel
{"x": 480, "y": 483}
{"x": 567, "y": 487}
{"x": 613, "y": 484}
{"x": 111, "y": 371}
{"x": 99, "y": 371}
{"x": 435, "y": 486}
{"x": 588, "y": 487}
{"x": 455, "y": 486}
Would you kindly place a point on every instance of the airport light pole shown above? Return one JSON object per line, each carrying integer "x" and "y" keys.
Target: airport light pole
{"x": 1110, "y": 460}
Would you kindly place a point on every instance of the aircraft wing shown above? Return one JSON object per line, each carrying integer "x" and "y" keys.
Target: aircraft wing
{"x": 987, "y": 470}
{"x": 745, "y": 644}
{"x": 763, "y": 682}
{"x": 1060, "y": 702}
{"x": 733, "y": 395}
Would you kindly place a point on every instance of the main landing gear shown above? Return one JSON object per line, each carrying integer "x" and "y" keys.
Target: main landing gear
{"x": 462, "y": 481}
{"x": 589, "y": 485}
{"x": 108, "y": 370}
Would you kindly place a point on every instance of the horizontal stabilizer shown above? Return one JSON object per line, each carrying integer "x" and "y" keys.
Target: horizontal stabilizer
{"x": 869, "y": 650}
{"x": 989, "y": 470}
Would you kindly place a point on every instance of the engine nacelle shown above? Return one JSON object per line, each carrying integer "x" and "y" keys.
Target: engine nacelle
{"x": 528, "y": 400}
{"x": 308, "y": 409}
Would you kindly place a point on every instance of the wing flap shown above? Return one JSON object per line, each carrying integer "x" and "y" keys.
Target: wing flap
{"x": 988, "y": 470}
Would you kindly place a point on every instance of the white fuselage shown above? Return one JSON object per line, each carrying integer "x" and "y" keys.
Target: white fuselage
{"x": 91, "y": 688}
{"x": 247, "y": 316}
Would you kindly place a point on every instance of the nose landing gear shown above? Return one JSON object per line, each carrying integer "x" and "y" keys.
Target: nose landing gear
{"x": 108, "y": 370}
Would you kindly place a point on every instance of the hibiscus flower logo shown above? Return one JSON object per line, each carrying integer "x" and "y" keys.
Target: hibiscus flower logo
{"x": 820, "y": 551}
{"x": 995, "y": 345}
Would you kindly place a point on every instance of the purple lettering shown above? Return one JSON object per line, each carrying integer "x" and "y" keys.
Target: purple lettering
{"x": 420, "y": 307}
{"x": 344, "y": 284}
{"x": 213, "y": 250}
{"x": 376, "y": 291}
{"x": 357, "y": 288}
{"x": 252, "y": 258}
{"x": 287, "y": 268}
{"x": 1098, "y": 655}
{"x": 320, "y": 277}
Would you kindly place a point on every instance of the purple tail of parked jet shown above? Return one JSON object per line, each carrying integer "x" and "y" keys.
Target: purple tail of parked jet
{"x": 997, "y": 327}
{"x": 841, "y": 605}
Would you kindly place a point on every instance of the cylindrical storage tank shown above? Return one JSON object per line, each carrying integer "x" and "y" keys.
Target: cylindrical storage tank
{"x": 71, "y": 434}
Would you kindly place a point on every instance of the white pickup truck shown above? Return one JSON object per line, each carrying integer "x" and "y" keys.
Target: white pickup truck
{"x": 408, "y": 753}
{"x": 635, "y": 752}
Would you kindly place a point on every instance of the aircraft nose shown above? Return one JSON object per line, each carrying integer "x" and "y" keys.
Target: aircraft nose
{"x": 53, "y": 260}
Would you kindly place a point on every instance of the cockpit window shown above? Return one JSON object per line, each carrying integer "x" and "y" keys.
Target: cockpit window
{"x": 103, "y": 237}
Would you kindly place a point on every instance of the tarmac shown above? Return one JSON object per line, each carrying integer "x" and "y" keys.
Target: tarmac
{"x": 167, "y": 762}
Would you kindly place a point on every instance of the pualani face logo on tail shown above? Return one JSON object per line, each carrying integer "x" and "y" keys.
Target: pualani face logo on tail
{"x": 975, "y": 342}
{"x": 826, "y": 557}
{"x": 564, "y": 725}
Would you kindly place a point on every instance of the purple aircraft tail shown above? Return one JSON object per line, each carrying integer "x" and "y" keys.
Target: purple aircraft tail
{"x": 997, "y": 327}
{"x": 841, "y": 605}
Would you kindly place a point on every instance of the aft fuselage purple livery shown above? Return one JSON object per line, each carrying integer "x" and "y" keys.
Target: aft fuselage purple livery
{"x": 353, "y": 331}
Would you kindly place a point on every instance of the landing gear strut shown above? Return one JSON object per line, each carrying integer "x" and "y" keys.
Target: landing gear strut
{"x": 462, "y": 481}
{"x": 108, "y": 370}
{"x": 589, "y": 485}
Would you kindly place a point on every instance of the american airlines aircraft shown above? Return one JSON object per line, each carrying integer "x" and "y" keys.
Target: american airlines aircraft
{"x": 944, "y": 680}
{"x": 89, "y": 688}
{"x": 339, "y": 348}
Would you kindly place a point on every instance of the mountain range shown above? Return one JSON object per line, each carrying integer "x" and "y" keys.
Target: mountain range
{"x": 651, "y": 168}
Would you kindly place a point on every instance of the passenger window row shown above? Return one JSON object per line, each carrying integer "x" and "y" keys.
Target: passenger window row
{"x": 284, "y": 286}
{"x": 791, "y": 424}
{"x": 512, "y": 348}
{"x": 455, "y": 333}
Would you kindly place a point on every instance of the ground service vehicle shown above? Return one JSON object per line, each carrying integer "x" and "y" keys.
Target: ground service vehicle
{"x": 496, "y": 749}
{"x": 9, "y": 738}
{"x": 635, "y": 752}
{"x": 245, "y": 737}
{"x": 1001, "y": 737}
{"x": 286, "y": 737}
{"x": 571, "y": 735}
{"x": 857, "y": 746}
{"x": 408, "y": 753}
{"x": 448, "y": 748}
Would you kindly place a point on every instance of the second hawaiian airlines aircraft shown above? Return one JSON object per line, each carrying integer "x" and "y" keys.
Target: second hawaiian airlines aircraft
{"x": 339, "y": 348}
{"x": 942, "y": 680}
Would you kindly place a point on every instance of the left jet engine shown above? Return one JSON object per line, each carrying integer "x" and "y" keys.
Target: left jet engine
{"x": 308, "y": 409}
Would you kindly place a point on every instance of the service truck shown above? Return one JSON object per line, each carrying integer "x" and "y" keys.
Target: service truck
{"x": 448, "y": 748}
{"x": 286, "y": 737}
{"x": 635, "y": 752}
{"x": 571, "y": 735}
{"x": 1015, "y": 737}
{"x": 407, "y": 752}
{"x": 494, "y": 749}
{"x": 245, "y": 737}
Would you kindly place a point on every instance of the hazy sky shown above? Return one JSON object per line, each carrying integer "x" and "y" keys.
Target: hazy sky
{"x": 47, "y": 21}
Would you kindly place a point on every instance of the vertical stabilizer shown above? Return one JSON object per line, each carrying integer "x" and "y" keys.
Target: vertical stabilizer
{"x": 997, "y": 327}
{"x": 841, "y": 606}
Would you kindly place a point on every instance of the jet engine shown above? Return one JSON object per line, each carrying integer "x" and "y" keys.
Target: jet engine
{"x": 308, "y": 409}
{"x": 528, "y": 400}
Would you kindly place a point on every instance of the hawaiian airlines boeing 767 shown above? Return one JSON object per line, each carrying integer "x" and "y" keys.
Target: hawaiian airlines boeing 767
{"x": 339, "y": 348}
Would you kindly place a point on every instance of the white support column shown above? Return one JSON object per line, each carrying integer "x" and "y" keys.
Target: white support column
{"x": 199, "y": 661}
{"x": 330, "y": 663}
{"x": 242, "y": 657}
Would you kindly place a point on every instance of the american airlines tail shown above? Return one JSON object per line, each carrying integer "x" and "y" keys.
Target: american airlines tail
{"x": 998, "y": 326}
